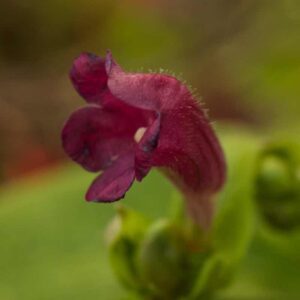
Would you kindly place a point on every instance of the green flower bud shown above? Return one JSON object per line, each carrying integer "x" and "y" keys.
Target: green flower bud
{"x": 167, "y": 262}
{"x": 278, "y": 185}
{"x": 173, "y": 265}
{"x": 274, "y": 177}
{"x": 125, "y": 234}
{"x": 173, "y": 259}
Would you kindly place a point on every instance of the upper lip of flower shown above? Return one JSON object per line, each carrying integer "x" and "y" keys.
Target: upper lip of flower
{"x": 172, "y": 130}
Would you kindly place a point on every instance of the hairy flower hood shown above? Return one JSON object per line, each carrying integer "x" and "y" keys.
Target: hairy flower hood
{"x": 138, "y": 121}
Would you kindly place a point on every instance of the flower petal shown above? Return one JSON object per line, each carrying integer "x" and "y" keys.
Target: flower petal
{"x": 145, "y": 148}
{"x": 114, "y": 182}
{"x": 94, "y": 137}
{"x": 193, "y": 155}
{"x": 187, "y": 144}
{"x": 184, "y": 127}
{"x": 137, "y": 90}
{"x": 185, "y": 131}
{"x": 169, "y": 125}
{"x": 89, "y": 77}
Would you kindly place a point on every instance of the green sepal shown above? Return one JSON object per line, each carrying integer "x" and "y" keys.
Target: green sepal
{"x": 164, "y": 260}
{"x": 215, "y": 273}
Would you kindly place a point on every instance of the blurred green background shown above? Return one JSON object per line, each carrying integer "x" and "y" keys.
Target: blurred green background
{"x": 242, "y": 57}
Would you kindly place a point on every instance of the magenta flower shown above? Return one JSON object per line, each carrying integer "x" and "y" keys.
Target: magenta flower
{"x": 138, "y": 121}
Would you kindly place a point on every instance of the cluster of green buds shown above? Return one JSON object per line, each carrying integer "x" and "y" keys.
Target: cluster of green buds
{"x": 278, "y": 185}
{"x": 172, "y": 258}
{"x": 165, "y": 259}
